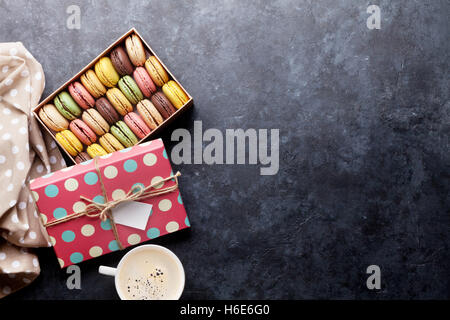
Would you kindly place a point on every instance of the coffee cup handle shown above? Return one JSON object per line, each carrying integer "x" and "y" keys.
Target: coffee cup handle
{"x": 107, "y": 271}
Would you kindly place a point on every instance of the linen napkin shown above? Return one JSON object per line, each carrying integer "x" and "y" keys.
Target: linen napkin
{"x": 25, "y": 153}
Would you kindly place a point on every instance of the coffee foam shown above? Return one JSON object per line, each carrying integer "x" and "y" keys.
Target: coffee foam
{"x": 149, "y": 275}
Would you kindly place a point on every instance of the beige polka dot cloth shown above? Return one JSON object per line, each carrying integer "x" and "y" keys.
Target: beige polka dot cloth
{"x": 25, "y": 153}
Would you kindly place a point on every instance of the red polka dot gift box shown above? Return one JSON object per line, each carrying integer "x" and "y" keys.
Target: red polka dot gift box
{"x": 110, "y": 202}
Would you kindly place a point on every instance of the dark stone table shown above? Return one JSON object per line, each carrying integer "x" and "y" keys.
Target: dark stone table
{"x": 363, "y": 119}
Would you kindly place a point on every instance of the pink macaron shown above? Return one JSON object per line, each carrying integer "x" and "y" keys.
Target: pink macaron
{"x": 82, "y": 131}
{"x": 144, "y": 82}
{"x": 137, "y": 124}
{"x": 81, "y": 96}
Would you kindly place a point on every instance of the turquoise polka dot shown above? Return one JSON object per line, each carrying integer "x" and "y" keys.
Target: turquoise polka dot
{"x": 99, "y": 199}
{"x": 68, "y": 236}
{"x": 106, "y": 225}
{"x": 179, "y": 199}
{"x": 90, "y": 178}
{"x": 87, "y": 162}
{"x": 51, "y": 191}
{"x": 186, "y": 222}
{"x": 137, "y": 184}
{"x": 130, "y": 165}
{"x": 59, "y": 213}
{"x": 165, "y": 153}
{"x": 153, "y": 233}
{"x": 113, "y": 246}
{"x": 76, "y": 257}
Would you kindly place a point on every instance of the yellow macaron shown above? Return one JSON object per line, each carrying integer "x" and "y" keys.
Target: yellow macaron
{"x": 175, "y": 94}
{"x": 91, "y": 82}
{"x": 110, "y": 143}
{"x": 106, "y": 73}
{"x": 156, "y": 71}
{"x": 96, "y": 150}
{"x": 69, "y": 142}
{"x": 119, "y": 101}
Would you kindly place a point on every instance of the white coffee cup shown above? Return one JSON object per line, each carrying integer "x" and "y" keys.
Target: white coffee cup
{"x": 148, "y": 272}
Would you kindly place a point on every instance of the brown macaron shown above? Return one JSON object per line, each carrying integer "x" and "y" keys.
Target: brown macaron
{"x": 121, "y": 62}
{"x": 163, "y": 104}
{"x": 107, "y": 111}
{"x": 82, "y": 157}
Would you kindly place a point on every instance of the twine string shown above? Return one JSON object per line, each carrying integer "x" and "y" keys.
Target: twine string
{"x": 103, "y": 210}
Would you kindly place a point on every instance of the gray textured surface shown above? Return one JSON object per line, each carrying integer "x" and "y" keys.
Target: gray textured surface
{"x": 364, "y": 128}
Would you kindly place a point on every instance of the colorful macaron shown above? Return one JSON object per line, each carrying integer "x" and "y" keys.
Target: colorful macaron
{"x": 81, "y": 96}
{"x": 67, "y": 106}
{"x": 175, "y": 94}
{"x": 137, "y": 125}
{"x": 96, "y": 150}
{"x": 144, "y": 82}
{"x": 106, "y": 110}
{"x": 110, "y": 143}
{"x": 121, "y": 62}
{"x": 52, "y": 118}
{"x": 95, "y": 121}
{"x": 91, "y": 82}
{"x": 69, "y": 142}
{"x": 130, "y": 89}
{"x": 156, "y": 71}
{"x": 82, "y": 132}
{"x": 124, "y": 134}
{"x": 106, "y": 73}
{"x": 119, "y": 101}
{"x": 82, "y": 157}
{"x": 164, "y": 106}
{"x": 135, "y": 50}
{"x": 149, "y": 113}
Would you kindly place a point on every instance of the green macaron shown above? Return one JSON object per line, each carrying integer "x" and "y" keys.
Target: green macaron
{"x": 130, "y": 89}
{"x": 123, "y": 133}
{"x": 67, "y": 106}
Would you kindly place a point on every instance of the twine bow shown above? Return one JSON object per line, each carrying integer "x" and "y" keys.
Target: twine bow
{"x": 103, "y": 210}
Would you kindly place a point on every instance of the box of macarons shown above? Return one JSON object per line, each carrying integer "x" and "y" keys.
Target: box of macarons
{"x": 120, "y": 99}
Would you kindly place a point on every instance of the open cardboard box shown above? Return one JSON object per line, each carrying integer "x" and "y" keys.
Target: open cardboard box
{"x": 120, "y": 41}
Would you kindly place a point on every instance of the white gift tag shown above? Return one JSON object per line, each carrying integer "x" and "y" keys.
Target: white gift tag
{"x": 132, "y": 214}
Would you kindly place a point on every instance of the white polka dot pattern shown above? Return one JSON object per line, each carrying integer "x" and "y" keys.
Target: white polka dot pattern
{"x": 110, "y": 172}
{"x": 165, "y": 205}
{"x": 71, "y": 184}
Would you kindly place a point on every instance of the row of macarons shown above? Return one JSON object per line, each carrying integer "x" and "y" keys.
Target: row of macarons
{"x": 129, "y": 63}
{"x": 96, "y": 123}
{"x": 102, "y": 137}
